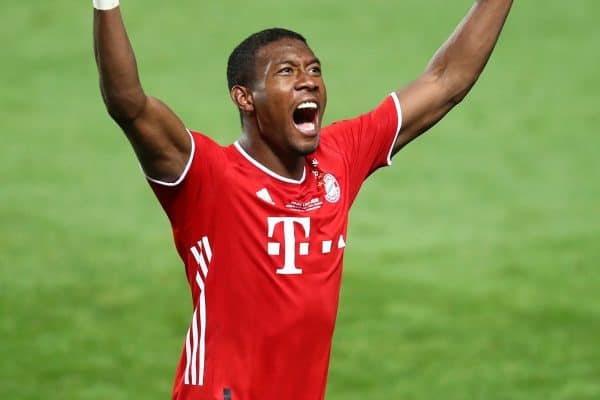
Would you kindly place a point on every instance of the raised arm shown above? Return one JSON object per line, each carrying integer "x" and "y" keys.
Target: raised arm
{"x": 453, "y": 70}
{"x": 157, "y": 135}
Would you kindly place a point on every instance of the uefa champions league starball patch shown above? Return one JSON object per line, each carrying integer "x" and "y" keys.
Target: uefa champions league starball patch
{"x": 332, "y": 188}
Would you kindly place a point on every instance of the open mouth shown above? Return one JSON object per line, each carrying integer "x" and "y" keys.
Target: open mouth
{"x": 305, "y": 117}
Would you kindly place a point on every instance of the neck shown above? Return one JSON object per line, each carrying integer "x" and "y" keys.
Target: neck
{"x": 289, "y": 166}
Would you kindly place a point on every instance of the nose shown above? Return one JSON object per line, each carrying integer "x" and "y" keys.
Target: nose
{"x": 307, "y": 81}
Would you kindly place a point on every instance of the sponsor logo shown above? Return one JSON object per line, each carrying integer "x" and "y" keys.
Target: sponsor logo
{"x": 291, "y": 245}
{"x": 289, "y": 241}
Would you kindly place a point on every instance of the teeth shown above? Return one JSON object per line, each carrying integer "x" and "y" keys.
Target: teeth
{"x": 307, "y": 104}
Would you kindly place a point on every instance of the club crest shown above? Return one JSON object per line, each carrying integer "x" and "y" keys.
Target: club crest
{"x": 332, "y": 188}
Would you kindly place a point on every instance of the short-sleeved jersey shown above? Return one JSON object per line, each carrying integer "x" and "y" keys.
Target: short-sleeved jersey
{"x": 263, "y": 258}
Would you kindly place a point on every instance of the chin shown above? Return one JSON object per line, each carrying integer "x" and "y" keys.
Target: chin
{"x": 308, "y": 147}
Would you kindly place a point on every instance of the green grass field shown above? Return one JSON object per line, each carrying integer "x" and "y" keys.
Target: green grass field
{"x": 473, "y": 266}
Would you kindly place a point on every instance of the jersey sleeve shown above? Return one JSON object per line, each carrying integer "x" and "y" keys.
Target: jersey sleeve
{"x": 366, "y": 142}
{"x": 184, "y": 197}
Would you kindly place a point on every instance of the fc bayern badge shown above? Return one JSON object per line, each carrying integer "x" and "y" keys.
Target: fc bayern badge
{"x": 332, "y": 188}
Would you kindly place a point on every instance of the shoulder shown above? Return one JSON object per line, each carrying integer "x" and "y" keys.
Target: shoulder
{"x": 201, "y": 139}
{"x": 330, "y": 135}
{"x": 338, "y": 136}
{"x": 205, "y": 148}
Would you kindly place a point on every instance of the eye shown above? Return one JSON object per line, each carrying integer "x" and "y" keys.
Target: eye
{"x": 315, "y": 70}
{"x": 285, "y": 71}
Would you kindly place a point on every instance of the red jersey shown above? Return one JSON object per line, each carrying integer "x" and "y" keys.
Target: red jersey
{"x": 263, "y": 257}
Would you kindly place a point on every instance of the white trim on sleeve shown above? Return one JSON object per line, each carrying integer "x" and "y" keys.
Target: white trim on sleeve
{"x": 185, "y": 170}
{"x": 399, "y": 112}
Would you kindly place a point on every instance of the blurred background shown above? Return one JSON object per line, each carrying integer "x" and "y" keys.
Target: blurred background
{"x": 472, "y": 268}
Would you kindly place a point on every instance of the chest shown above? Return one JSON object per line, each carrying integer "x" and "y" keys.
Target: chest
{"x": 292, "y": 227}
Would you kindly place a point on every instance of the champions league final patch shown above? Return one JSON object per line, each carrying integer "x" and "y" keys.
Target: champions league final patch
{"x": 332, "y": 188}
{"x": 311, "y": 205}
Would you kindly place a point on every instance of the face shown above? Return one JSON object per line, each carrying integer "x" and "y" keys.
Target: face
{"x": 289, "y": 97}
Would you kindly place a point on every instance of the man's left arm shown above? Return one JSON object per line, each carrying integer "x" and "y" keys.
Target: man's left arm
{"x": 453, "y": 70}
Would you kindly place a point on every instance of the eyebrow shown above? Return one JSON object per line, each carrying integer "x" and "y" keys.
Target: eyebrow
{"x": 288, "y": 61}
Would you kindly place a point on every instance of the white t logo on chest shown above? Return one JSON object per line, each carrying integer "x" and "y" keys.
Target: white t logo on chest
{"x": 289, "y": 242}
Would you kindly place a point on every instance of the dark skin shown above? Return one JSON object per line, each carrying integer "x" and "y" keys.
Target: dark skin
{"x": 287, "y": 73}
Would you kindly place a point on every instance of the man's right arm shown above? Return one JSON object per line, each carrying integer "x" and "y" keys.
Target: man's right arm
{"x": 158, "y": 136}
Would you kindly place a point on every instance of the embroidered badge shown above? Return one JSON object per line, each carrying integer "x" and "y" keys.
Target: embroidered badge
{"x": 332, "y": 188}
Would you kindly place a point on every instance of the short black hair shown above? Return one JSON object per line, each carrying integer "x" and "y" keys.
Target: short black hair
{"x": 241, "y": 66}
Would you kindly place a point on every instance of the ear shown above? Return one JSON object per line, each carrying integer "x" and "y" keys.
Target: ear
{"x": 242, "y": 97}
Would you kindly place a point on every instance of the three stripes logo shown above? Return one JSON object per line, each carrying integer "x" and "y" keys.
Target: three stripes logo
{"x": 195, "y": 342}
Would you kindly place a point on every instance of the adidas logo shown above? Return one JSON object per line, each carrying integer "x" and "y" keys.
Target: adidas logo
{"x": 263, "y": 194}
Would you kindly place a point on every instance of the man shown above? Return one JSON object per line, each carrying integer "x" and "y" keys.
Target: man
{"x": 261, "y": 224}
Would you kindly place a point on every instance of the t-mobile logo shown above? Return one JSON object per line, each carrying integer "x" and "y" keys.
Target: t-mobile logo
{"x": 289, "y": 242}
